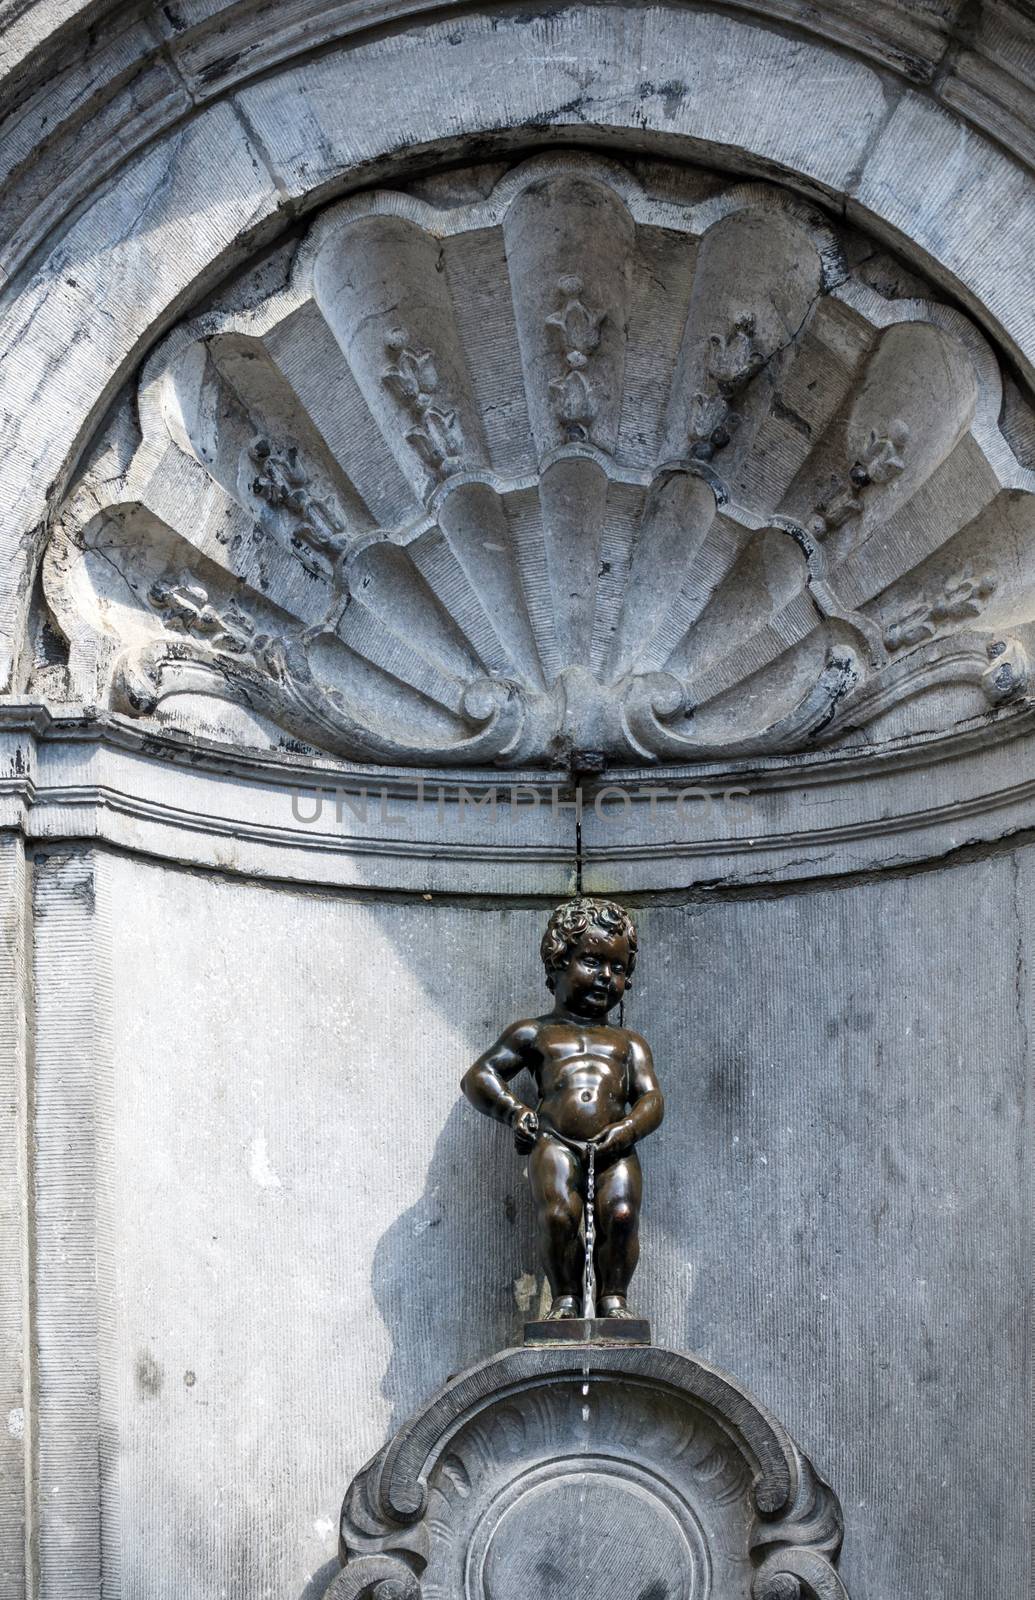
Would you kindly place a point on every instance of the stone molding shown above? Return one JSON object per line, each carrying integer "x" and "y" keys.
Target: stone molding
{"x": 114, "y": 76}
{"x": 648, "y": 1438}
{"x": 740, "y": 824}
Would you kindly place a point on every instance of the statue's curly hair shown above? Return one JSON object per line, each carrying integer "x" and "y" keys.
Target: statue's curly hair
{"x": 570, "y": 921}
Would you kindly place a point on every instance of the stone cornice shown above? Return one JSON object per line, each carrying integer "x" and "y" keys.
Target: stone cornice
{"x": 318, "y": 823}
{"x": 87, "y": 725}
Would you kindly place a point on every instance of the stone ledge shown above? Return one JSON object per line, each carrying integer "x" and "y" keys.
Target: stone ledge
{"x": 811, "y": 817}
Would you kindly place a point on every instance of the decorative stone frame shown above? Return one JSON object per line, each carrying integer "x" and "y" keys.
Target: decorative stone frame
{"x": 681, "y": 1449}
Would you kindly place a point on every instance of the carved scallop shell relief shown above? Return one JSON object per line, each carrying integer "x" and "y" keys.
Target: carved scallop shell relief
{"x": 637, "y": 462}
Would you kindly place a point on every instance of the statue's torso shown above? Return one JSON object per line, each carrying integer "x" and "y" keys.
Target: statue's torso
{"x": 582, "y": 1078}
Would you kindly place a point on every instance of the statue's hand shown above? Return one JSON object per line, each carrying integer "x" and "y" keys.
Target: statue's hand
{"x": 526, "y": 1126}
{"x": 617, "y": 1140}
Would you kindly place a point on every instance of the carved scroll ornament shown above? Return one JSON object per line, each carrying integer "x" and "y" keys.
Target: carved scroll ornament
{"x": 567, "y": 1473}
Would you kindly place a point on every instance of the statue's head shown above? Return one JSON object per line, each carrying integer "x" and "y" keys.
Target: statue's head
{"x": 589, "y": 952}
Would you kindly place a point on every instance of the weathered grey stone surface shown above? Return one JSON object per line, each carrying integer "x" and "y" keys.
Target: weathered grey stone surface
{"x": 838, "y": 1205}
{"x": 76, "y": 1225}
{"x": 16, "y": 1390}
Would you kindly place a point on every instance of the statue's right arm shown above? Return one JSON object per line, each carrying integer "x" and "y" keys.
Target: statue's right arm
{"x": 485, "y": 1084}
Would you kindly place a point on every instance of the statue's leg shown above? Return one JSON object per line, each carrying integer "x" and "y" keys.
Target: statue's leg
{"x": 619, "y": 1192}
{"x": 555, "y": 1173}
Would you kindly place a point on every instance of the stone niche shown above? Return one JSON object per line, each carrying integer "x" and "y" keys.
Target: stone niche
{"x": 573, "y": 462}
{"x": 580, "y": 464}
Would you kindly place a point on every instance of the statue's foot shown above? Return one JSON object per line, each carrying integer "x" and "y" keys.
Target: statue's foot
{"x": 613, "y": 1305}
{"x": 564, "y": 1309}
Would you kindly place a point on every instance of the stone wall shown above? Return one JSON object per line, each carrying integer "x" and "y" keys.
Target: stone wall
{"x": 269, "y": 1226}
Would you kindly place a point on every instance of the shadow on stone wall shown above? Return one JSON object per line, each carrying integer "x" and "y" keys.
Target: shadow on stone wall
{"x": 444, "y": 1271}
{"x": 321, "y": 1581}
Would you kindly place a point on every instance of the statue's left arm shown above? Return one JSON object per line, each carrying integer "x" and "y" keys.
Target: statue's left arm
{"x": 646, "y": 1103}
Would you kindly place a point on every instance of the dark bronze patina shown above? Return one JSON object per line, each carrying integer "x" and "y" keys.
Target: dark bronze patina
{"x": 597, "y": 1097}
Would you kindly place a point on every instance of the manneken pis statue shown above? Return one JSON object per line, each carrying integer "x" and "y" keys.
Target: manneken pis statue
{"x": 595, "y": 1086}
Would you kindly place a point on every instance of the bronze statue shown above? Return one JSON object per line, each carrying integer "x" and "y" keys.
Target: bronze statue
{"x": 597, "y": 1096}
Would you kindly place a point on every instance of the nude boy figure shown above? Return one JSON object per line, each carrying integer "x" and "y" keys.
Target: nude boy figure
{"x": 594, "y": 1084}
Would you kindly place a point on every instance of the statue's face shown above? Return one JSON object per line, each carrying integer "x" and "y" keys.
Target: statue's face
{"x": 596, "y": 975}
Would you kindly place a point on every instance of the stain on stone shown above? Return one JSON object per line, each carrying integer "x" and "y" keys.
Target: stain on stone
{"x": 929, "y": 1370}
{"x": 913, "y": 67}
{"x": 577, "y": 108}
{"x": 672, "y": 93}
{"x": 148, "y": 1375}
{"x": 215, "y": 69}
{"x": 785, "y": 413}
{"x": 51, "y": 647}
{"x": 82, "y": 889}
{"x": 526, "y": 19}
{"x": 890, "y": 1168}
{"x": 726, "y": 1085}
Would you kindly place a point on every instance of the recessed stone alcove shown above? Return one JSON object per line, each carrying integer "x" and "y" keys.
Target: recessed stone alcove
{"x": 735, "y": 487}
{"x": 419, "y": 401}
